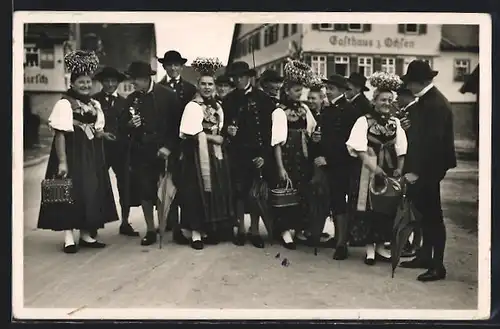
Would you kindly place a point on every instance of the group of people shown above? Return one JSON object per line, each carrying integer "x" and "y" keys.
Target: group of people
{"x": 217, "y": 136}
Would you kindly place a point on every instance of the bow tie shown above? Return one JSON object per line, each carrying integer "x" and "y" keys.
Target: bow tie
{"x": 174, "y": 81}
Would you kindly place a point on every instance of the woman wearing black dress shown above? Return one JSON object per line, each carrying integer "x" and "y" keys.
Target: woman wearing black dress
{"x": 77, "y": 153}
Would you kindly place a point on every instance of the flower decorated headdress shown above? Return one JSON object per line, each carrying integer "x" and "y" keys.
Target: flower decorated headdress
{"x": 316, "y": 82}
{"x": 206, "y": 66}
{"x": 81, "y": 62}
{"x": 385, "y": 81}
{"x": 298, "y": 72}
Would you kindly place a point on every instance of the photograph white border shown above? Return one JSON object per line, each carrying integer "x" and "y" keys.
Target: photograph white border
{"x": 484, "y": 221}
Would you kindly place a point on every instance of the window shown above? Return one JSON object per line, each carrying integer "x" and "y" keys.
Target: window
{"x": 355, "y": 27}
{"x": 427, "y": 60}
{"x": 294, "y": 28}
{"x": 255, "y": 41}
{"x": 31, "y": 56}
{"x": 365, "y": 66}
{"x": 342, "y": 65}
{"x": 318, "y": 65}
{"x": 411, "y": 28}
{"x": 285, "y": 30}
{"x": 341, "y": 27}
{"x": 326, "y": 27}
{"x": 389, "y": 65}
{"x": 271, "y": 34}
{"x": 461, "y": 69}
{"x": 47, "y": 60}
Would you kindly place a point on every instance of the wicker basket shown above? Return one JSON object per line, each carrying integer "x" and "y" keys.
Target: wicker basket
{"x": 57, "y": 190}
{"x": 287, "y": 196}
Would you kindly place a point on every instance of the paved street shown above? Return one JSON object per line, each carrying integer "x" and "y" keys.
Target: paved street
{"x": 126, "y": 274}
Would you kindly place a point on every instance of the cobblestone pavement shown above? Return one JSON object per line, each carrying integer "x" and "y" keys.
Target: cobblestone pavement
{"x": 126, "y": 274}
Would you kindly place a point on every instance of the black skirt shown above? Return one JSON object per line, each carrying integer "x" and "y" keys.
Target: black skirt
{"x": 94, "y": 202}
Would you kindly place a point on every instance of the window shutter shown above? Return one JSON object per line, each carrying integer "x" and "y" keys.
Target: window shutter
{"x": 377, "y": 64}
{"x": 353, "y": 64}
{"x": 401, "y": 28}
{"x": 400, "y": 62}
{"x": 307, "y": 59}
{"x": 285, "y": 30}
{"x": 367, "y": 27}
{"x": 315, "y": 26}
{"x": 422, "y": 28}
{"x": 330, "y": 66}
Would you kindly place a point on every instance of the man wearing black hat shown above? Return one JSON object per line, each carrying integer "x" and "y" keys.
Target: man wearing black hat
{"x": 337, "y": 120}
{"x": 152, "y": 122}
{"x": 356, "y": 92}
{"x": 271, "y": 82}
{"x": 248, "y": 118}
{"x": 173, "y": 63}
{"x": 406, "y": 102}
{"x": 113, "y": 106}
{"x": 223, "y": 86}
{"x": 431, "y": 153}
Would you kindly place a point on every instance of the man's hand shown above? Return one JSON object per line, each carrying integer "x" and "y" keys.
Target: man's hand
{"x": 316, "y": 136}
{"x": 411, "y": 177}
{"x": 232, "y": 130}
{"x": 258, "y": 162}
{"x": 320, "y": 161}
{"x": 109, "y": 136}
{"x": 405, "y": 123}
{"x": 163, "y": 153}
{"x": 397, "y": 173}
{"x": 135, "y": 121}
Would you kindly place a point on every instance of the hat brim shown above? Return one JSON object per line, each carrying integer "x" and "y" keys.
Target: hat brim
{"x": 335, "y": 83}
{"x": 101, "y": 76}
{"x": 181, "y": 61}
{"x": 357, "y": 84}
{"x": 249, "y": 72}
{"x": 140, "y": 75}
{"x": 409, "y": 77}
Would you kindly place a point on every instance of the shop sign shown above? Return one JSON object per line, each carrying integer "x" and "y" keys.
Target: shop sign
{"x": 388, "y": 43}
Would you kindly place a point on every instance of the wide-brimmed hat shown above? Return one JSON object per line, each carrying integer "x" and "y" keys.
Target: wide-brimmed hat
{"x": 336, "y": 80}
{"x": 172, "y": 56}
{"x": 418, "y": 71}
{"x": 110, "y": 72}
{"x": 224, "y": 80}
{"x": 240, "y": 69}
{"x": 270, "y": 76}
{"x": 140, "y": 70}
{"x": 359, "y": 80}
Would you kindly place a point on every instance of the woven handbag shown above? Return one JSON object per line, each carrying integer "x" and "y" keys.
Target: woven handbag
{"x": 57, "y": 191}
{"x": 385, "y": 197}
{"x": 287, "y": 196}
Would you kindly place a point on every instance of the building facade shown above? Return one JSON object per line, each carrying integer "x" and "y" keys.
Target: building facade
{"x": 331, "y": 48}
{"x": 45, "y": 76}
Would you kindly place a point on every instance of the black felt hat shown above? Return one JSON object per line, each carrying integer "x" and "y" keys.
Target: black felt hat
{"x": 418, "y": 71}
{"x": 140, "y": 70}
{"x": 172, "y": 57}
{"x": 336, "y": 80}
{"x": 240, "y": 69}
{"x": 358, "y": 80}
{"x": 110, "y": 72}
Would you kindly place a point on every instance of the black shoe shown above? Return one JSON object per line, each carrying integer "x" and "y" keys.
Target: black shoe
{"x": 70, "y": 249}
{"x": 93, "y": 234}
{"x": 95, "y": 245}
{"x": 239, "y": 239}
{"x": 126, "y": 229}
{"x": 149, "y": 239}
{"x": 369, "y": 261}
{"x": 256, "y": 241}
{"x": 179, "y": 238}
{"x": 340, "y": 253}
{"x": 289, "y": 245}
{"x": 210, "y": 240}
{"x": 432, "y": 275}
{"x": 197, "y": 245}
{"x": 416, "y": 263}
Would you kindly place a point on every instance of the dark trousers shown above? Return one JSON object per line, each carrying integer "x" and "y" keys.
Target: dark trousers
{"x": 115, "y": 161}
{"x": 426, "y": 196}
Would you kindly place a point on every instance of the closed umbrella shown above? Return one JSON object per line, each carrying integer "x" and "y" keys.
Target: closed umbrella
{"x": 319, "y": 206}
{"x": 258, "y": 200}
{"x": 166, "y": 194}
{"x": 407, "y": 220}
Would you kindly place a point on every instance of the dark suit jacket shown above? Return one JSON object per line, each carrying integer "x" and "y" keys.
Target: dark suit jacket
{"x": 431, "y": 148}
{"x": 185, "y": 91}
{"x": 112, "y": 113}
{"x": 160, "y": 112}
{"x": 362, "y": 104}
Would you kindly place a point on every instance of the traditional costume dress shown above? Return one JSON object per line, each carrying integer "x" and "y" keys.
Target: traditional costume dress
{"x": 81, "y": 120}
{"x": 206, "y": 191}
{"x": 385, "y": 140}
{"x": 292, "y": 126}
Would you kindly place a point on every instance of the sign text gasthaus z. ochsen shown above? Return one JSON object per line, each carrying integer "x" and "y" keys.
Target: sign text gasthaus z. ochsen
{"x": 352, "y": 41}
{"x": 36, "y": 79}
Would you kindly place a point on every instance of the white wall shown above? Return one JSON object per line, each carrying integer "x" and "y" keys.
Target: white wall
{"x": 47, "y": 80}
{"x": 374, "y": 42}
{"x": 444, "y": 80}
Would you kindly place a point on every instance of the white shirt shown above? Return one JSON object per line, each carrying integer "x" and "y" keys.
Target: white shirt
{"x": 425, "y": 90}
{"x": 170, "y": 78}
{"x": 335, "y": 100}
{"x": 151, "y": 85}
{"x": 409, "y": 104}
{"x": 355, "y": 96}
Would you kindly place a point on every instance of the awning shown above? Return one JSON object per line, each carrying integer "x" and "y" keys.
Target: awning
{"x": 471, "y": 84}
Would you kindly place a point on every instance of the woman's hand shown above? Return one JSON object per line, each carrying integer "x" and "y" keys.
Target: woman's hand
{"x": 62, "y": 170}
{"x": 163, "y": 153}
{"x": 232, "y": 130}
{"x": 397, "y": 173}
{"x": 379, "y": 172}
{"x": 320, "y": 161}
{"x": 109, "y": 136}
{"x": 283, "y": 174}
{"x": 217, "y": 139}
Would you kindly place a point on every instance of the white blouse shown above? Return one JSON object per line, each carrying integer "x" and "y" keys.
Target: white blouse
{"x": 61, "y": 117}
{"x": 279, "y": 131}
{"x": 358, "y": 139}
{"x": 192, "y": 119}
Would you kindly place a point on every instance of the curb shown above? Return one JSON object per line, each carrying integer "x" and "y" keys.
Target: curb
{"x": 34, "y": 162}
